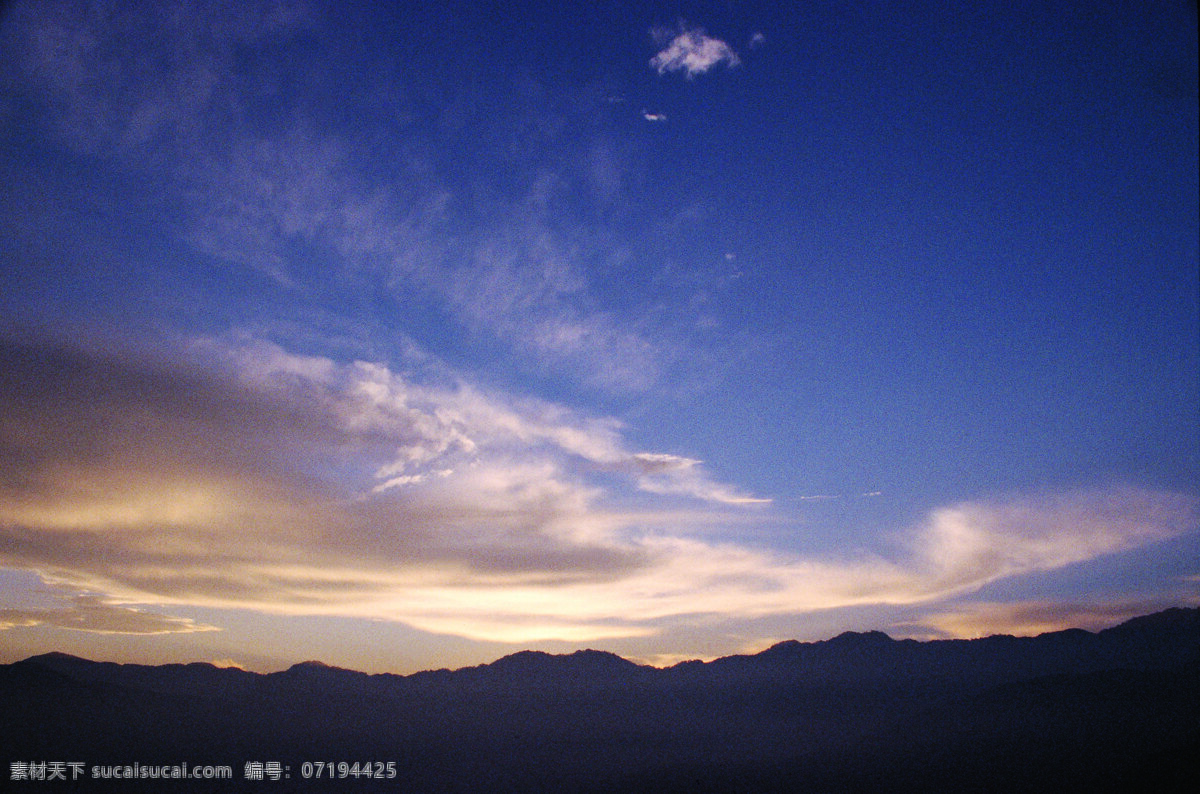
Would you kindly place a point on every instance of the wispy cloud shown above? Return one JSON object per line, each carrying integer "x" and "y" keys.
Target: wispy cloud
{"x": 520, "y": 279}
{"x": 526, "y": 282}
{"x": 144, "y": 73}
{"x": 250, "y": 479}
{"x": 692, "y": 51}
{"x": 672, "y": 474}
{"x": 164, "y": 90}
{"x": 98, "y": 615}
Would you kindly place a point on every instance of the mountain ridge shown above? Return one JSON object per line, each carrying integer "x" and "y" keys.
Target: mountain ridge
{"x": 1171, "y": 619}
{"x": 861, "y": 712}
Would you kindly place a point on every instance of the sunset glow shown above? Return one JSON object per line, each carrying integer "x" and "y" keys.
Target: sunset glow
{"x": 407, "y": 336}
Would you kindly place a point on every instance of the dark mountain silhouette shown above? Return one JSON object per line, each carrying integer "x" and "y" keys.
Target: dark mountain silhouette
{"x": 1073, "y": 710}
{"x": 580, "y": 664}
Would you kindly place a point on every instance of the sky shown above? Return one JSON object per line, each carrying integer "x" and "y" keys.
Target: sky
{"x": 408, "y": 335}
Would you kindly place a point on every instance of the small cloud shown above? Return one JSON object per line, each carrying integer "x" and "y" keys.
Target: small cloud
{"x": 671, "y": 474}
{"x": 656, "y": 462}
{"x": 825, "y": 497}
{"x": 692, "y": 51}
{"x": 648, "y": 116}
{"x": 757, "y": 40}
{"x": 396, "y": 482}
{"x": 228, "y": 663}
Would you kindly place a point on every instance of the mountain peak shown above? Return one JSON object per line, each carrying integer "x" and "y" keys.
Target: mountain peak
{"x": 1175, "y": 618}
{"x": 62, "y": 663}
{"x": 313, "y": 666}
{"x": 56, "y": 656}
{"x": 586, "y": 662}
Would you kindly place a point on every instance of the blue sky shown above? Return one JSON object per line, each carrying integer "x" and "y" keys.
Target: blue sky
{"x": 407, "y": 335}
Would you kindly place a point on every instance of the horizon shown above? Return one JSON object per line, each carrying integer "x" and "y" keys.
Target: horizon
{"x": 221, "y": 664}
{"x": 419, "y": 332}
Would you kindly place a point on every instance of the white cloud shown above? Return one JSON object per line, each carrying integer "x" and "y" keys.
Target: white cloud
{"x": 671, "y": 474}
{"x": 973, "y": 543}
{"x": 658, "y": 117}
{"x": 693, "y": 52}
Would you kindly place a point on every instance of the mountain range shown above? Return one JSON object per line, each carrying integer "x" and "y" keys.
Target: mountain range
{"x": 1115, "y": 710}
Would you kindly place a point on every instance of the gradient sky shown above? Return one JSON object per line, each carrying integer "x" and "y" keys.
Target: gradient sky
{"x": 407, "y": 335}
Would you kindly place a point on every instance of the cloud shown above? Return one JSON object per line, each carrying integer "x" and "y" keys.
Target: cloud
{"x": 671, "y": 474}
{"x": 972, "y": 543}
{"x": 237, "y": 474}
{"x": 135, "y": 460}
{"x": 692, "y": 51}
{"x": 826, "y": 497}
{"x": 167, "y": 91}
{"x": 519, "y": 278}
{"x": 525, "y": 281}
{"x": 228, "y": 663}
{"x": 146, "y": 72}
{"x": 654, "y": 117}
{"x": 98, "y": 615}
